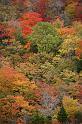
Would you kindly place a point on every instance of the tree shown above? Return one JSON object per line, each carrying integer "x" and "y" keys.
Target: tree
{"x": 70, "y": 43}
{"x": 45, "y": 37}
{"x": 70, "y": 8}
{"x": 78, "y": 53}
{"x": 41, "y": 6}
{"x": 78, "y": 116}
{"x": 49, "y": 8}
{"x": 79, "y": 50}
{"x": 14, "y": 9}
{"x": 27, "y": 21}
{"x": 71, "y": 106}
{"x": 79, "y": 10}
{"x": 37, "y": 119}
{"x": 62, "y": 115}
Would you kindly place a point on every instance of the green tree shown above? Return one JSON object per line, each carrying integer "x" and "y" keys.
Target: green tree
{"x": 38, "y": 119}
{"x": 45, "y": 37}
{"x": 62, "y": 115}
{"x": 48, "y": 120}
{"x": 78, "y": 116}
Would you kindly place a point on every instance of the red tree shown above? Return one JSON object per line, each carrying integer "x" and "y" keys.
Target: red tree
{"x": 28, "y": 20}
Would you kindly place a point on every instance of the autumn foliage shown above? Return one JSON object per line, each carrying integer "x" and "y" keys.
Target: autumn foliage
{"x": 40, "y": 62}
{"x": 79, "y": 50}
{"x": 27, "y": 21}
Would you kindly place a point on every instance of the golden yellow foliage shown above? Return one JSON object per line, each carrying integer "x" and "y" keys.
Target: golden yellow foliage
{"x": 70, "y": 43}
{"x": 71, "y": 106}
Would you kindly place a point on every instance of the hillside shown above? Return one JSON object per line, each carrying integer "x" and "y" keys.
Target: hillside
{"x": 40, "y": 62}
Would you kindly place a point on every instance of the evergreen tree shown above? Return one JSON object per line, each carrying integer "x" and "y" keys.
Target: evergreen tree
{"x": 78, "y": 116}
{"x": 37, "y": 119}
{"x": 62, "y": 115}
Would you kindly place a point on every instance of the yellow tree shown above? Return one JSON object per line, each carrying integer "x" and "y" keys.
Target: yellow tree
{"x": 71, "y": 106}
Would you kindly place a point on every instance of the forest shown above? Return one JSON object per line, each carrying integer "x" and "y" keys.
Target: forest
{"x": 40, "y": 61}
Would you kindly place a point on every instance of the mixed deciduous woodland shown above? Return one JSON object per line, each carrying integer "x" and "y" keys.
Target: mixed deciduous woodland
{"x": 40, "y": 61}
